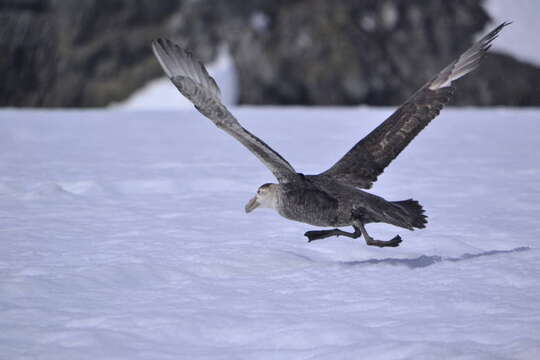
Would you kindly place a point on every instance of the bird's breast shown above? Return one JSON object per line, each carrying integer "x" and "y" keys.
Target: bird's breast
{"x": 308, "y": 205}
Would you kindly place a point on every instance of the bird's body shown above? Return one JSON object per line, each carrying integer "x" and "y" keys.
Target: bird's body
{"x": 332, "y": 198}
{"x": 321, "y": 201}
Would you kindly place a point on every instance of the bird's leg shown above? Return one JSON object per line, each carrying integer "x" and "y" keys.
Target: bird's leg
{"x": 322, "y": 234}
{"x": 380, "y": 243}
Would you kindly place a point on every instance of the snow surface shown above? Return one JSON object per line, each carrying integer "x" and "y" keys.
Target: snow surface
{"x": 520, "y": 39}
{"x": 124, "y": 237}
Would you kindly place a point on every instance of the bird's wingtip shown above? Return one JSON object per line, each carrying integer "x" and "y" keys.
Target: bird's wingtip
{"x": 156, "y": 41}
{"x": 160, "y": 51}
{"x": 495, "y": 32}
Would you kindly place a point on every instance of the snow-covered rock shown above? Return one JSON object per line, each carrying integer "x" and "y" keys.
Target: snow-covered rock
{"x": 161, "y": 93}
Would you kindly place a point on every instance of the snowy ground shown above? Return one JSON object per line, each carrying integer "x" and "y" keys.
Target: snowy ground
{"x": 124, "y": 237}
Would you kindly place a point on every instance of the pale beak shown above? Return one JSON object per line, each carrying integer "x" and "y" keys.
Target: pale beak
{"x": 252, "y": 204}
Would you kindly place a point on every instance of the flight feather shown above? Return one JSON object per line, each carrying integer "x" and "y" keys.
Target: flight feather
{"x": 193, "y": 81}
{"x": 362, "y": 165}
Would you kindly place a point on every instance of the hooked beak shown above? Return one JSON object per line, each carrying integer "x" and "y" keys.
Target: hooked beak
{"x": 252, "y": 204}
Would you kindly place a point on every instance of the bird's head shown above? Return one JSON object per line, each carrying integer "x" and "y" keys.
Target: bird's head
{"x": 265, "y": 197}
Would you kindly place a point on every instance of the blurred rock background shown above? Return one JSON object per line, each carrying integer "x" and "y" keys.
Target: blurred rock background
{"x": 86, "y": 53}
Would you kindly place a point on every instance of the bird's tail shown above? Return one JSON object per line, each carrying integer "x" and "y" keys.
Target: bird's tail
{"x": 414, "y": 213}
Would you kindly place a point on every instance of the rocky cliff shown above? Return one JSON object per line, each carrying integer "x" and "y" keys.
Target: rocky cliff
{"x": 92, "y": 53}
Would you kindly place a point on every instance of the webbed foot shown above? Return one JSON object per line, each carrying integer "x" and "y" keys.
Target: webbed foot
{"x": 394, "y": 242}
{"x": 323, "y": 234}
{"x": 318, "y": 235}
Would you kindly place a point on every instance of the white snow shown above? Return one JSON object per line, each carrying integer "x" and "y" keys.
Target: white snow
{"x": 161, "y": 94}
{"x": 259, "y": 21}
{"x": 521, "y": 38}
{"x": 124, "y": 237}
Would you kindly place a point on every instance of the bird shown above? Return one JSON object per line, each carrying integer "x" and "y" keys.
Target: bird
{"x": 333, "y": 198}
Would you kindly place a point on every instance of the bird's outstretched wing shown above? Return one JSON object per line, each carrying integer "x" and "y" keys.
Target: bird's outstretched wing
{"x": 362, "y": 165}
{"x": 193, "y": 81}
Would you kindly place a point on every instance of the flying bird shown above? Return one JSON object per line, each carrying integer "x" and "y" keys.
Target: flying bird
{"x": 332, "y": 198}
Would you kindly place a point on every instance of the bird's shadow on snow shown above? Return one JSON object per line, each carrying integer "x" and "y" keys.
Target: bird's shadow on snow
{"x": 425, "y": 260}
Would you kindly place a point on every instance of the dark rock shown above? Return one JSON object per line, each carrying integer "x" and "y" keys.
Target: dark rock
{"x": 78, "y": 53}
{"x": 370, "y": 52}
{"x": 501, "y": 80}
{"x": 92, "y": 53}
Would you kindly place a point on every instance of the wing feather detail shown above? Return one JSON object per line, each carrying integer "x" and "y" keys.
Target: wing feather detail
{"x": 193, "y": 81}
{"x": 362, "y": 165}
